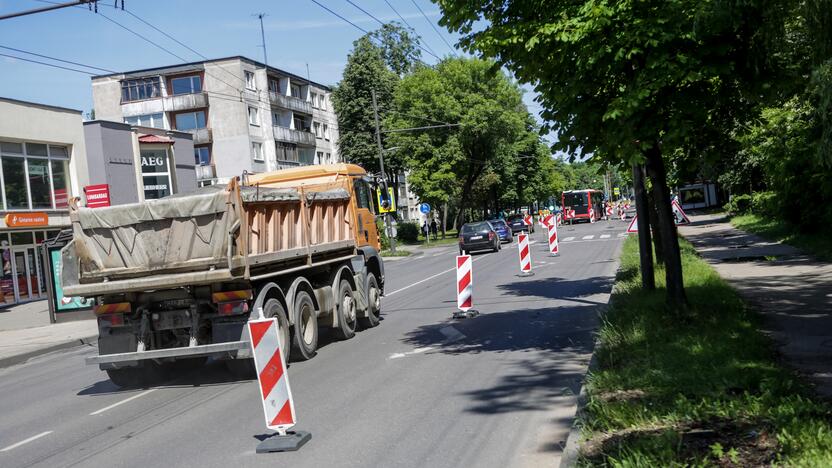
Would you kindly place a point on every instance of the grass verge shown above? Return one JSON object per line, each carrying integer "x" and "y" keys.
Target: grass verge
{"x": 818, "y": 244}
{"x": 705, "y": 390}
{"x": 399, "y": 253}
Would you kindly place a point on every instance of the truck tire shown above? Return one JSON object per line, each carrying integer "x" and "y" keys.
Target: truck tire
{"x": 305, "y": 332}
{"x": 373, "y": 303}
{"x": 145, "y": 374}
{"x": 345, "y": 308}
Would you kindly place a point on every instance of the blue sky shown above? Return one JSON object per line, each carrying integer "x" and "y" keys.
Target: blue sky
{"x": 298, "y": 32}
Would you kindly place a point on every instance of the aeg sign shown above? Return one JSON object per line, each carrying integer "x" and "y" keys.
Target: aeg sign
{"x": 97, "y": 195}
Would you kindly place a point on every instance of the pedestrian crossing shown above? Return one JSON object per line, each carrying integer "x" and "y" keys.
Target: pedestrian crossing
{"x": 590, "y": 237}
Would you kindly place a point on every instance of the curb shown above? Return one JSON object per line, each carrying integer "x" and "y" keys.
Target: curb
{"x": 397, "y": 259}
{"x": 23, "y": 357}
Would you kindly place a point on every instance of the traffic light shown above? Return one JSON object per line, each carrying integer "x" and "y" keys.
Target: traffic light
{"x": 386, "y": 202}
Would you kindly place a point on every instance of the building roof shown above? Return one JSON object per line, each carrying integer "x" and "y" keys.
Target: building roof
{"x": 146, "y": 138}
{"x": 37, "y": 104}
{"x": 179, "y": 66}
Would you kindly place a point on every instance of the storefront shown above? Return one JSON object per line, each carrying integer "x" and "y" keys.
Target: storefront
{"x": 23, "y": 273}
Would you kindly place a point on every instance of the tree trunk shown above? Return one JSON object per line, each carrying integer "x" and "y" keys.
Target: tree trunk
{"x": 444, "y": 218}
{"x": 645, "y": 250}
{"x": 670, "y": 242}
{"x": 657, "y": 234}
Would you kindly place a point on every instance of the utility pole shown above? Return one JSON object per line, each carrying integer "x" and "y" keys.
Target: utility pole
{"x": 263, "y": 39}
{"x": 387, "y": 225}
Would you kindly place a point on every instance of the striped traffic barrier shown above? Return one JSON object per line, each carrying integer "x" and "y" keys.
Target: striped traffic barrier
{"x": 553, "y": 240}
{"x": 525, "y": 254}
{"x": 275, "y": 393}
{"x": 464, "y": 287}
{"x": 591, "y": 216}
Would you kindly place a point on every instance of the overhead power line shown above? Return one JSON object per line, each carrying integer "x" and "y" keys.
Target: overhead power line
{"x": 453, "y": 51}
{"x": 47, "y": 64}
{"x": 54, "y": 6}
{"x": 56, "y": 59}
{"x": 383, "y": 23}
{"x": 411, "y": 27}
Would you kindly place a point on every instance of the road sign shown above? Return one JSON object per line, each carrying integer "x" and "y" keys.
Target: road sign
{"x": 386, "y": 204}
{"x": 424, "y": 208}
{"x": 616, "y": 191}
{"x": 633, "y": 227}
{"x": 679, "y": 216}
{"x": 551, "y": 207}
{"x": 553, "y": 239}
{"x": 525, "y": 254}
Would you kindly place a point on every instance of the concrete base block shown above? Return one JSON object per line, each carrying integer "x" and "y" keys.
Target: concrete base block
{"x": 292, "y": 441}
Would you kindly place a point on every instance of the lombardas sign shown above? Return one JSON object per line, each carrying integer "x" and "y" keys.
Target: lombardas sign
{"x": 33, "y": 219}
{"x": 97, "y": 195}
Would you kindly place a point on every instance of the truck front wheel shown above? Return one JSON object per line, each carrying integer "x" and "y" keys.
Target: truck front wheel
{"x": 373, "y": 303}
{"x": 305, "y": 339}
{"x": 346, "y": 310}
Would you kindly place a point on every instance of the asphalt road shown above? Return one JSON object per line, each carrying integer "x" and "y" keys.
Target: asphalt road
{"x": 421, "y": 389}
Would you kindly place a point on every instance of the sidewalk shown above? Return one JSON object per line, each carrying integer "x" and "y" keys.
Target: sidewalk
{"x": 25, "y": 332}
{"x": 792, "y": 291}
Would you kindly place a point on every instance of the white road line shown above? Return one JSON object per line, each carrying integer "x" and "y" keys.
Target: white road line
{"x": 438, "y": 254}
{"x": 122, "y": 402}
{"x": 415, "y": 351}
{"x": 605, "y": 236}
{"x": 568, "y": 239}
{"x": 426, "y": 279}
{"x": 588, "y": 237}
{"x": 622, "y": 234}
{"x": 25, "y": 441}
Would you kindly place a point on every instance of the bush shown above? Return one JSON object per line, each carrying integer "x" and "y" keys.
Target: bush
{"x": 739, "y": 204}
{"x": 407, "y": 232}
{"x": 766, "y": 204}
{"x": 382, "y": 234}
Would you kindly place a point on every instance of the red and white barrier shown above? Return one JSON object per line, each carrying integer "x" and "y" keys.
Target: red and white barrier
{"x": 528, "y": 220}
{"x": 547, "y": 220}
{"x": 553, "y": 239}
{"x": 609, "y": 212}
{"x": 271, "y": 375}
{"x": 464, "y": 283}
{"x": 525, "y": 253}
{"x": 591, "y": 215}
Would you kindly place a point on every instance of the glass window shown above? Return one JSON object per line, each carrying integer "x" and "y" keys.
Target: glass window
{"x": 8, "y": 147}
{"x": 328, "y": 157}
{"x": 59, "y": 151}
{"x": 274, "y": 86}
{"x": 317, "y": 127}
{"x": 257, "y": 151}
{"x": 287, "y": 152}
{"x": 60, "y": 184}
{"x": 154, "y": 161}
{"x": 314, "y": 98}
{"x": 147, "y": 120}
{"x": 190, "y": 120}
{"x": 362, "y": 194}
{"x": 39, "y": 183}
{"x": 186, "y": 85}
{"x": 326, "y": 131}
{"x": 142, "y": 88}
{"x": 323, "y": 102}
{"x": 36, "y": 149}
{"x": 253, "y": 116}
{"x": 250, "y": 84}
{"x": 295, "y": 91}
{"x": 156, "y": 186}
{"x": 202, "y": 155}
{"x": 22, "y": 238}
{"x": 306, "y": 155}
{"x": 14, "y": 180}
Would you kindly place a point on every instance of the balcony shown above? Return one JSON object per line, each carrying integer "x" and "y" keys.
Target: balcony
{"x": 293, "y": 136}
{"x": 201, "y": 135}
{"x": 283, "y": 164}
{"x": 182, "y": 102}
{"x": 205, "y": 172}
{"x": 289, "y": 102}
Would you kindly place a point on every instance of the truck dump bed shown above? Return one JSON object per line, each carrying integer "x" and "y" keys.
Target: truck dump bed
{"x": 214, "y": 235}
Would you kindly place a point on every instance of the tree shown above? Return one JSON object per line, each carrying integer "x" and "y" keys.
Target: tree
{"x": 632, "y": 79}
{"x": 490, "y": 113}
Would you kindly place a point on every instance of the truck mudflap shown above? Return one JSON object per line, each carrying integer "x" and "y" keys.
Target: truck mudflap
{"x": 242, "y": 349}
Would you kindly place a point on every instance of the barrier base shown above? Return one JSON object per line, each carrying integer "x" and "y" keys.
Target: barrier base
{"x": 461, "y": 314}
{"x": 524, "y": 274}
{"x": 554, "y": 255}
{"x": 292, "y": 441}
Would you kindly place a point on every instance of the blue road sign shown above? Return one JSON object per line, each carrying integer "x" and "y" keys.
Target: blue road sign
{"x": 424, "y": 208}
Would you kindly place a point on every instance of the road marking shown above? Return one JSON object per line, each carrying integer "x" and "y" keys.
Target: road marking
{"x": 451, "y": 334}
{"x": 122, "y": 402}
{"x": 605, "y": 236}
{"x": 426, "y": 279}
{"x": 588, "y": 237}
{"x": 25, "y": 441}
{"x": 622, "y": 234}
{"x": 415, "y": 351}
{"x": 568, "y": 239}
{"x": 438, "y": 254}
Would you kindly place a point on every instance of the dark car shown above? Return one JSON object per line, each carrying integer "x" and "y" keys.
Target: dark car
{"x": 516, "y": 223}
{"x": 478, "y": 236}
{"x": 502, "y": 230}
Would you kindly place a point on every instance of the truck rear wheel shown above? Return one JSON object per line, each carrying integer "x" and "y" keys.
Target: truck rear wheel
{"x": 244, "y": 368}
{"x": 305, "y": 336}
{"x": 373, "y": 303}
{"x": 139, "y": 376}
{"x": 346, "y": 310}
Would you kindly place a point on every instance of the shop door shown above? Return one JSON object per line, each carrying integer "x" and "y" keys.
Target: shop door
{"x": 24, "y": 274}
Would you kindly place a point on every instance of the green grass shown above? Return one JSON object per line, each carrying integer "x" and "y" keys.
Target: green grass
{"x": 698, "y": 390}
{"x": 451, "y": 237}
{"x": 818, "y": 244}
{"x": 399, "y": 253}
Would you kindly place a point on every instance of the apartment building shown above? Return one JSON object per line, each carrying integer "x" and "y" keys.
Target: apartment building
{"x": 244, "y": 116}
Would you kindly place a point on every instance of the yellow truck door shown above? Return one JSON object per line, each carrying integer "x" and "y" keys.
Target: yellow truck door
{"x": 366, "y": 232}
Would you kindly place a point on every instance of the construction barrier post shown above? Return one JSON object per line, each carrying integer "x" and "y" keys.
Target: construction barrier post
{"x": 464, "y": 287}
{"x": 275, "y": 394}
{"x": 525, "y": 255}
{"x": 553, "y": 240}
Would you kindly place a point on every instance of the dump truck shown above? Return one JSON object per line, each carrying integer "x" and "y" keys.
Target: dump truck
{"x": 175, "y": 280}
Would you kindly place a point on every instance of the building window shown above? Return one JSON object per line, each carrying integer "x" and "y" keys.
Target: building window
{"x": 317, "y": 127}
{"x": 34, "y": 179}
{"x": 202, "y": 155}
{"x": 322, "y": 104}
{"x": 314, "y": 100}
{"x": 186, "y": 85}
{"x": 253, "y": 116}
{"x": 274, "y": 85}
{"x": 146, "y": 120}
{"x": 301, "y": 124}
{"x": 295, "y": 91}
{"x": 326, "y": 131}
{"x": 139, "y": 89}
{"x": 306, "y": 155}
{"x": 287, "y": 152}
{"x": 257, "y": 151}
{"x": 250, "y": 83}
{"x": 328, "y": 158}
{"x": 190, "y": 120}
{"x": 155, "y": 173}
{"x": 320, "y": 155}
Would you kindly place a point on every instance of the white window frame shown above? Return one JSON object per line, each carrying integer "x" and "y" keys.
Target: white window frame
{"x": 25, "y": 157}
{"x": 257, "y": 151}
{"x": 169, "y": 173}
{"x": 149, "y": 117}
{"x": 322, "y": 105}
{"x": 251, "y": 84}
{"x": 316, "y": 128}
{"x": 326, "y": 132}
{"x": 314, "y": 99}
{"x": 195, "y": 112}
{"x": 190, "y": 78}
{"x": 253, "y": 117}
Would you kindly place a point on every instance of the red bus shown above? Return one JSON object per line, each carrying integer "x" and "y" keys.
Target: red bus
{"x": 580, "y": 201}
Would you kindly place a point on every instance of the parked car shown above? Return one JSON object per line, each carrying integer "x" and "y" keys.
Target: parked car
{"x": 501, "y": 228}
{"x": 478, "y": 236}
{"x": 517, "y": 224}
